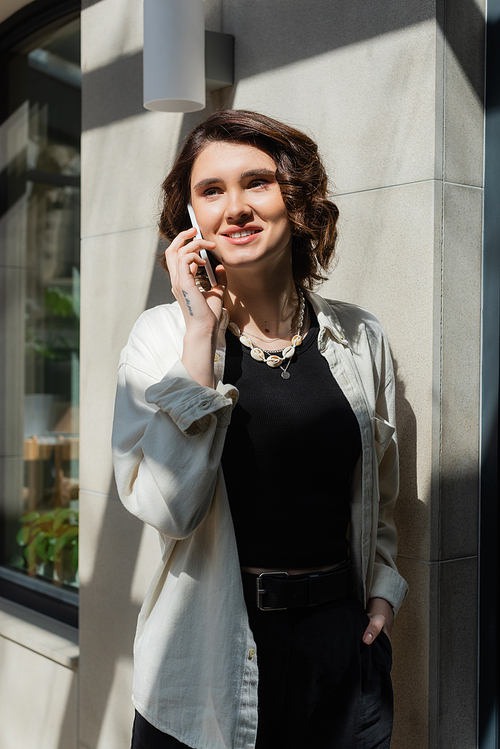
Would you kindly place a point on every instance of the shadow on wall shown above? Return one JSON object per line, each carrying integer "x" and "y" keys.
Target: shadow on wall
{"x": 435, "y": 658}
{"x": 113, "y": 623}
{"x": 411, "y": 516}
{"x": 411, "y": 513}
{"x": 330, "y": 27}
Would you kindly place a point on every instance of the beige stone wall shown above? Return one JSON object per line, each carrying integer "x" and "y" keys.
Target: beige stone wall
{"x": 38, "y": 680}
{"x": 391, "y": 92}
{"x": 38, "y": 700}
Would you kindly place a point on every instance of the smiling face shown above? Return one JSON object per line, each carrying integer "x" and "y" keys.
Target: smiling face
{"x": 238, "y": 204}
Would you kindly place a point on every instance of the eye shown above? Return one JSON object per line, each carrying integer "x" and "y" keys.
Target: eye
{"x": 211, "y": 191}
{"x": 258, "y": 183}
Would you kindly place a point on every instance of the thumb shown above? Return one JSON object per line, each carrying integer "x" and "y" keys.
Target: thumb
{"x": 374, "y": 628}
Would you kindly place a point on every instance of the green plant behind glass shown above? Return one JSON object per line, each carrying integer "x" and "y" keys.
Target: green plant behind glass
{"x": 61, "y": 336}
{"x": 49, "y": 541}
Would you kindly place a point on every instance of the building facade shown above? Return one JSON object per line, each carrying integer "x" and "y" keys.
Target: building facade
{"x": 394, "y": 95}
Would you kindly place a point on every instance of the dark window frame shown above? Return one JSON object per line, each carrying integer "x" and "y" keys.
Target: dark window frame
{"x": 36, "y": 19}
{"x": 24, "y": 26}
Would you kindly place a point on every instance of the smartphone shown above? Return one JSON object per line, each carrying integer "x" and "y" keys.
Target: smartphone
{"x": 212, "y": 263}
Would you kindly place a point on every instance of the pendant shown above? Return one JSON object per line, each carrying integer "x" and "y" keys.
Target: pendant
{"x": 285, "y": 375}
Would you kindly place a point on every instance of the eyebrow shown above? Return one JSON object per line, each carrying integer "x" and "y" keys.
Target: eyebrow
{"x": 244, "y": 175}
{"x": 258, "y": 173}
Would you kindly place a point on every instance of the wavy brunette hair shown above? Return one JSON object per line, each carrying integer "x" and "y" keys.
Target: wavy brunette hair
{"x": 300, "y": 175}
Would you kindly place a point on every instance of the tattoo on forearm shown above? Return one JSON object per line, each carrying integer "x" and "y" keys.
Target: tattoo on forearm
{"x": 188, "y": 304}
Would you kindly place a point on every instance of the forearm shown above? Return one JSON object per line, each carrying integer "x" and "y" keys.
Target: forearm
{"x": 198, "y": 357}
{"x": 169, "y": 479}
{"x": 165, "y": 476}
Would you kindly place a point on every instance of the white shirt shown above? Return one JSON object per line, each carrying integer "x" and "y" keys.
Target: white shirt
{"x": 196, "y": 673}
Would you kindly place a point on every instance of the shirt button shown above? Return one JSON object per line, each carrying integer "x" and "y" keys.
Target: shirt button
{"x": 251, "y": 654}
{"x": 216, "y": 357}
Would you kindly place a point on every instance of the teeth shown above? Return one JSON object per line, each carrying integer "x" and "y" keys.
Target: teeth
{"x": 246, "y": 233}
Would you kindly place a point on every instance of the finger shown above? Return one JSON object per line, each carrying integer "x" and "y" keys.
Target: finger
{"x": 182, "y": 239}
{"x": 186, "y": 241}
{"x": 183, "y": 253}
{"x": 374, "y": 628}
{"x": 191, "y": 243}
{"x": 178, "y": 242}
{"x": 220, "y": 275}
{"x": 177, "y": 261}
{"x": 169, "y": 263}
{"x": 187, "y": 267}
{"x": 187, "y": 258}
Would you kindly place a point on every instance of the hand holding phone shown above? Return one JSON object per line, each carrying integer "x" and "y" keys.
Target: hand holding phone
{"x": 203, "y": 253}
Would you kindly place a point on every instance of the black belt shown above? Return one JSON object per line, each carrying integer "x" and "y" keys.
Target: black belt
{"x": 271, "y": 591}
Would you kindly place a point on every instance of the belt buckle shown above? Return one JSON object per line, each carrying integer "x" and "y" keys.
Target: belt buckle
{"x": 261, "y": 591}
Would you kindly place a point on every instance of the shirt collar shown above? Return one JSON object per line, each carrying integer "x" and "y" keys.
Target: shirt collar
{"x": 224, "y": 320}
{"x": 327, "y": 317}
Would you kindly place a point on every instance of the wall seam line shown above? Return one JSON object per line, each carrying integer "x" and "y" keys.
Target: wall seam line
{"x": 120, "y": 231}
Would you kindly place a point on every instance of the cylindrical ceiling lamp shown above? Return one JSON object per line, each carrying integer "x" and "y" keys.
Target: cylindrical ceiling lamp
{"x": 174, "y": 55}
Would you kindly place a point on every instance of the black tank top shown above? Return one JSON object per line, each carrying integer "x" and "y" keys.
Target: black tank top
{"x": 288, "y": 456}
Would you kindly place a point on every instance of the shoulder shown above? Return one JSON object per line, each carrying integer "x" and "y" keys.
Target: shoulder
{"x": 361, "y": 332}
{"x": 352, "y": 321}
{"x": 156, "y": 339}
{"x": 159, "y": 317}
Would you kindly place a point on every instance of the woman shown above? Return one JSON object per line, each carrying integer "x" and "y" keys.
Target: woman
{"x": 253, "y": 426}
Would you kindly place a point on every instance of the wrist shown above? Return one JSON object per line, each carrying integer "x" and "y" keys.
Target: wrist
{"x": 385, "y": 602}
{"x": 198, "y": 357}
{"x": 201, "y": 339}
{"x": 380, "y": 606}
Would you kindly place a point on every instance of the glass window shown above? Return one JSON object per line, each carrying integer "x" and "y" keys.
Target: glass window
{"x": 40, "y": 115}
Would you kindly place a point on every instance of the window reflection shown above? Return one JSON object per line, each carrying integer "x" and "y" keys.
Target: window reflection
{"x": 40, "y": 236}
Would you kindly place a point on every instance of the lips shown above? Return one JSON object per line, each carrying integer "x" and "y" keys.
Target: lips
{"x": 246, "y": 233}
{"x": 241, "y": 236}
{"x": 238, "y": 234}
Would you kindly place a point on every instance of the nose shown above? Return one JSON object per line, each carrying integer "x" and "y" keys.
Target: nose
{"x": 237, "y": 208}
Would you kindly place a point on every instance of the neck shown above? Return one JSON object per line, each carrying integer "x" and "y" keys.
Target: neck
{"x": 266, "y": 304}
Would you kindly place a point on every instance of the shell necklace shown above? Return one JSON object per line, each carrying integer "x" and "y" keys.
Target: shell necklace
{"x": 272, "y": 359}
